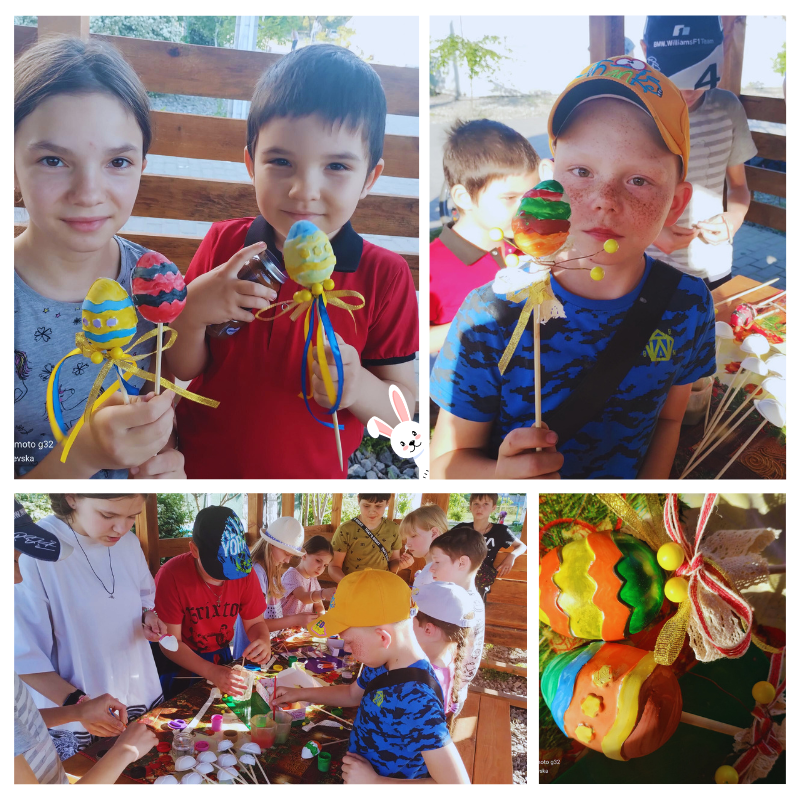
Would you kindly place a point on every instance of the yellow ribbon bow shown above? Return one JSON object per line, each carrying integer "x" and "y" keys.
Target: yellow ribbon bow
{"x": 124, "y": 361}
{"x": 534, "y": 295}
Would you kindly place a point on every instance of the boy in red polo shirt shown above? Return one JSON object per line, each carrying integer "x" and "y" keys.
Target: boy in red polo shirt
{"x": 314, "y": 142}
{"x": 488, "y": 167}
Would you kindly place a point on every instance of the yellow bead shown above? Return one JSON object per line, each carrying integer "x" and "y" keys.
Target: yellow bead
{"x": 584, "y": 734}
{"x": 97, "y": 357}
{"x": 512, "y": 260}
{"x": 611, "y": 245}
{"x": 726, "y": 774}
{"x": 670, "y": 556}
{"x": 591, "y": 705}
{"x": 116, "y": 352}
{"x": 763, "y": 692}
{"x": 597, "y": 273}
{"x": 496, "y": 234}
{"x": 677, "y": 589}
{"x": 316, "y": 289}
{"x": 305, "y": 296}
{"x": 328, "y": 285}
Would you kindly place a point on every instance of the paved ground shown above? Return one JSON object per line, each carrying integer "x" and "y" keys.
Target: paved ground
{"x": 760, "y": 253}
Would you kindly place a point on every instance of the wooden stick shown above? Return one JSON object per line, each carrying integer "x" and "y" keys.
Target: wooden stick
{"x": 262, "y": 770}
{"x": 691, "y": 467}
{"x": 537, "y": 368}
{"x": 344, "y": 723}
{"x": 336, "y": 741}
{"x": 125, "y": 398}
{"x": 334, "y": 415}
{"x": 741, "y": 449}
{"x": 709, "y": 724}
{"x": 746, "y": 291}
{"x": 769, "y": 312}
{"x": 770, "y": 300}
{"x": 777, "y": 569}
{"x": 158, "y": 358}
{"x": 723, "y": 403}
{"x": 717, "y": 421}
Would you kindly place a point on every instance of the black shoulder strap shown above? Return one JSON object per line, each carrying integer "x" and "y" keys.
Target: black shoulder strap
{"x": 393, "y": 677}
{"x": 600, "y": 381}
{"x": 257, "y": 232}
{"x": 372, "y": 536}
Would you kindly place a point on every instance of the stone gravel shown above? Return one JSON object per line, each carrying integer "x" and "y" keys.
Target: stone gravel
{"x": 384, "y": 465}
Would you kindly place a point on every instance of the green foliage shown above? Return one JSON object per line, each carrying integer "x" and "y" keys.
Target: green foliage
{"x": 165, "y": 29}
{"x": 37, "y": 505}
{"x": 28, "y": 22}
{"x": 479, "y": 58}
{"x": 279, "y": 29}
{"x": 174, "y": 512}
{"x": 458, "y": 509}
{"x": 209, "y": 31}
{"x": 779, "y": 62}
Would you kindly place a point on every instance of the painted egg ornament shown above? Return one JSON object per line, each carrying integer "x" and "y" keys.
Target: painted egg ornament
{"x": 159, "y": 291}
{"x": 310, "y": 750}
{"x": 605, "y": 586}
{"x": 613, "y": 698}
{"x": 108, "y": 316}
{"x": 308, "y": 255}
{"x": 541, "y": 224}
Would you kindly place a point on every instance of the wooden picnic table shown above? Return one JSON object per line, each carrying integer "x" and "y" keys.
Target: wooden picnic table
{"x": 765, "y": 457}
{"x": 283, "y": 763}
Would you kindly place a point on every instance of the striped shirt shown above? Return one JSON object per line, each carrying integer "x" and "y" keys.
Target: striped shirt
{"x": 720, "y": 138}
{"x": 32, "y": 739}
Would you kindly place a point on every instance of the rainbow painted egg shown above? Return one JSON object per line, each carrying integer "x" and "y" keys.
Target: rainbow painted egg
{"x": 541, "y": 224}
{"x": 109, "y": 318}
{"x": 307, "y": 254}
{"x": 613, "y": 698}
{"x": 605, "y": 586}
{"x": 158, "y": 288}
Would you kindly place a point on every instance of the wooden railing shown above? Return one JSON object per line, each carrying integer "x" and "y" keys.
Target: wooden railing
{"x": 170, "y": 68}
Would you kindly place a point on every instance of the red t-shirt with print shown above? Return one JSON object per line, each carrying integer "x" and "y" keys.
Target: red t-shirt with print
{"x": 205, "y": 613}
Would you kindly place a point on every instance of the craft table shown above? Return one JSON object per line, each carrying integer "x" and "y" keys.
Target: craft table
{"x": 283, "y": 763}
{"x": 765, "y": 456}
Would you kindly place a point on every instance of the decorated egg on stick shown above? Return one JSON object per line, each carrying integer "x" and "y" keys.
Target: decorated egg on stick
{"x": 541, "y": 224}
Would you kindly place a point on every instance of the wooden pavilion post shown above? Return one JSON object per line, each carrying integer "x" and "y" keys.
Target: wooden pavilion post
{"x": 147, "y": 532}
{"x": 336, "y": 511}
{"x": 441, "y": 500}
{"x": 70, "y": 26}
{"x": 287, "y": 505}
{"x": 255, "y": 517}
{"x": 606, "y": 37}
{"x": 391, "y": 506}
{"x": 733, "y": 29}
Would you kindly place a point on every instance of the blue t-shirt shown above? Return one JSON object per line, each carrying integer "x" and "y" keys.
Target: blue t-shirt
{"x": 466, "y": 380}
{"x": 396, "y": 725}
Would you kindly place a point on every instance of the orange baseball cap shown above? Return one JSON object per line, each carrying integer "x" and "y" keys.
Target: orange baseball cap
{"x": 637, "y": 82}
{"x": 365, "y": 598}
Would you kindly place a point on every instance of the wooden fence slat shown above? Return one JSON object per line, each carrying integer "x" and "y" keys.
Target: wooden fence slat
{"x": 336, "y": 511}
{"x": 493, "y": 745}
{"x": 287, "y": 505}
{"x": 765, "y": 214}
{"x": 222, "y": 139}
{"x": 502, "y": 666}
{"x": 199, "y": 199}
{"x": 506, "y": 637}
{"x": 64, "y": 26}
{"x": 518, "y": 700}
{"x": 770, "y": 145}
{"x": 465, "y": 731}
{"x": 169, "y": 548}
{"x": 319, "y": 530}
{"x": 147, "y": 532}
{"x": 255, "y": 517}
{"x": 441, "y": 500}
{"x": 769, "y": 181}
{"x": 606, "y": 37}
{"x": 506, "y": 615}
{"x": 514, "y": 593}
{"x": 766, "y": 109}
{"x": 733, "y": 31}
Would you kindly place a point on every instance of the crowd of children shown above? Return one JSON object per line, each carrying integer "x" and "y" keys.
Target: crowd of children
{"x": 314, "y": 149}
{"x": 222, "y": 599}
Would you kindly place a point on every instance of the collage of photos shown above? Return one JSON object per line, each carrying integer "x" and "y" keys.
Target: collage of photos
{"x": 224, "y": 279}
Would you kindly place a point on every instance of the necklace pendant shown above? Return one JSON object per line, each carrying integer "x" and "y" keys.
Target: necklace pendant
{"x": 111, "y": 596}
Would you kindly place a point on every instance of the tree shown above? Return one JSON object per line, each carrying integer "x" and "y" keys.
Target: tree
{"x": 480, "y": 59}
{"x": 201, "y": 499}
{"x": 278, "y": 30}
{"x": 174, "y": 513}
{"x": 458, "y": 508}
{"x": 164, "y": 29}
{"x": 37, "y": 505}
{"x": 209, "y": 31}
{"x": 779, "y": 62}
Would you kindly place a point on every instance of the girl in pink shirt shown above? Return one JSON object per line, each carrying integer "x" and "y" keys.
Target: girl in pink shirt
{"x": 301, "y": 590}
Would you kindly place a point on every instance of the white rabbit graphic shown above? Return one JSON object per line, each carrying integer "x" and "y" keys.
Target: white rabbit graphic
{"x": 406, "y": 438}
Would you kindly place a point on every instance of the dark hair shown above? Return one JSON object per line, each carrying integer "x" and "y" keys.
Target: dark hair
{"x": 328, "y": 81}
{"x": 317, "y": 544}
{"x": 374, "y": 498}
{"x": 453, "y": 633}
{"x": 61, "y": 508}
{"x": 66, "y": 65}
{"x": 462, "y": 541}
{"x": 492, "y": 497}
{"x": 481, "y": 151}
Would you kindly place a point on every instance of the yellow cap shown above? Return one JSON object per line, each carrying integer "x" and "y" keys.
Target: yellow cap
{"x": 636, "y": 81}
{"x": 365, "y": 598}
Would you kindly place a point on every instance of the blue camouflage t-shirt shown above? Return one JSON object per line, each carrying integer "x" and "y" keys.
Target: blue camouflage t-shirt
{"x": 396, "y": 725}
{"x": 466, "y": 380}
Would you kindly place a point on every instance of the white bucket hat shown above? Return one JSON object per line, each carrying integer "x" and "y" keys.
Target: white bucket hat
{"x": 447, "y": 602}
{"x": 287, "y": 534}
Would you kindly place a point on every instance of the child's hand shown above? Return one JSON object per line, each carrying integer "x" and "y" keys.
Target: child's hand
{"x": 675, "y": 238}
{"x": 284, "y": 696}
{"x": 96, "y": 715}
{"x": 125, "y": 436}
{"x": 136, "y": 740}
{"x": 226, "y": 680}
{"x": 167, "y": 465}
{"x": 328, "y": 593}
{"x": 356, "y": 769}
{"x": 259, "y": 649}
{"x": 406, "y": 560}
{"x": 219, "y": 295}
{"x": 716, "y": 230}
{"x": 517, "y": 457}
{"x": 351, "y": 366}
{"x": 153, "y": 627}
{"x": 506, "y": 565}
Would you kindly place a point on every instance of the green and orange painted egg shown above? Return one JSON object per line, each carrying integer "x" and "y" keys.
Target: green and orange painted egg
{"x": 607, "y": 586}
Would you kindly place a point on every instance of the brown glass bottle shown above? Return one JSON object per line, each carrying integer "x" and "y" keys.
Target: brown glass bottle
{"x": 261, "y": 269}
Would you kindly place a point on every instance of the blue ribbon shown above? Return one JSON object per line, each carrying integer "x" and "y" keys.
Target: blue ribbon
{"x": 319, "y": 307}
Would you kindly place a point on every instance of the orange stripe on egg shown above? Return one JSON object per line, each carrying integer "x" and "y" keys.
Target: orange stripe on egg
{"x": 615, "y": 614}
{"x": 548, "y": 593}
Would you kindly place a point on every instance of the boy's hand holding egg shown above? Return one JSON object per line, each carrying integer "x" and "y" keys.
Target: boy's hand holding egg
{"x": 351, "y": 367}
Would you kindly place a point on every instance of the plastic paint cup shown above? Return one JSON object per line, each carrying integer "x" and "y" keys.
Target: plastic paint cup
{"x": 324, "y": 761}
{"x": 216, "y": 722}
{"x": 201, "y": 747}
{"x": 263, "y": 730}
{"x": 284, "y": 724}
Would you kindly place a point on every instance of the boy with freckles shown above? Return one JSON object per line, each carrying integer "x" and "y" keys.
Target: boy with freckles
{"x": 315, "y": 135}
{"x": 620, "y": 135}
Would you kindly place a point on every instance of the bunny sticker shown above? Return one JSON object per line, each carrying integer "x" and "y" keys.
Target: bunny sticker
{"x": 406, "y": 438}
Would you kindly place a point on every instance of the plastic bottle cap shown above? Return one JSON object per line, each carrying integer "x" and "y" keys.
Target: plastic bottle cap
{"x": 163, "y": 747}
{"x": 292, "y": 660}
{"x": 177, "y": 724}
{"x": 201, "y": 746}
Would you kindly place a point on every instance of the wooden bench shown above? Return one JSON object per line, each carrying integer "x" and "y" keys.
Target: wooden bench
{"x": 482, "y": 735}
{"x": 173, "y": 68}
